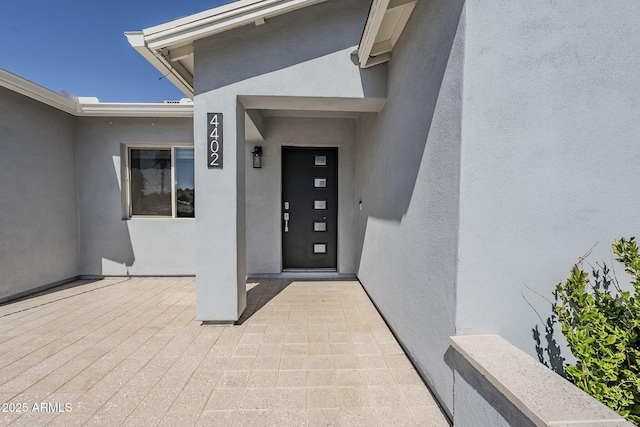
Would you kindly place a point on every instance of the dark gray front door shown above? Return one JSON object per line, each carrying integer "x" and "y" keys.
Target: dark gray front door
{"x": 309, "y": 208}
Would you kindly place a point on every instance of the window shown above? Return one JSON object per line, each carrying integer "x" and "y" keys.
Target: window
{"x": 161, "y": 182}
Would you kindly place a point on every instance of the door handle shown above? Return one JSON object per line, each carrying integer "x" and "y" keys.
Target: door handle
{"x": 286, "y": 222}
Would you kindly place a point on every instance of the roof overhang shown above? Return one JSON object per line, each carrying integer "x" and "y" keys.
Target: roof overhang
{"x": 387, "y": 19}
{"x": 39, "y": 93}
{"x": 169, "y": 46}
{"x": 91, "y": 107}
{"x": 116, "y": 109}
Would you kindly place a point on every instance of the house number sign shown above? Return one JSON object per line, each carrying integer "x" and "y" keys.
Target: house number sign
{"x": 214, "y": 140}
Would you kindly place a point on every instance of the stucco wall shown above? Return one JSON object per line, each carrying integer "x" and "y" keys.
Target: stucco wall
{"x": 109, "y": 244}
{"x": 549, "y": 156}
{"x": 39, "y": 220}
{"x": 478, "y": 403}
{"x": 264, "y": 187}
{"x": 407, "y": 172}
{"x": 307, "y": 52}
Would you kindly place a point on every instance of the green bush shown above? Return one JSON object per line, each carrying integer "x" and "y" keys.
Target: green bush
{"x": 601, "y": 323}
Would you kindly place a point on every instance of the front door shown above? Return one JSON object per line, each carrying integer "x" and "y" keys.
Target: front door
{"x": 309, "y": 208}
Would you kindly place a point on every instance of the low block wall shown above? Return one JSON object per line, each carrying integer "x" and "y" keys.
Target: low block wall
{"x": 497, "y": 384}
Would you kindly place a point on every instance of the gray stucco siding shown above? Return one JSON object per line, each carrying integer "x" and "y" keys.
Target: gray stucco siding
{"x": 39, "y": 221}
{"x": 549, "y": 155}
{"x": 308, "y": 52}
{"x": 111, "y": 244}
{"x": 407, "y": 175}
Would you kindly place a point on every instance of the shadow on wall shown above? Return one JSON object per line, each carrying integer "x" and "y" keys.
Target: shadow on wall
{"x": 549, "y": 353}
{"x": 476, "y": 383}
{"x": 118, "y": 250}
{"x": 106, "y": 246}
{"x": 286, "y": 40}
{"x": 397, "y": 139}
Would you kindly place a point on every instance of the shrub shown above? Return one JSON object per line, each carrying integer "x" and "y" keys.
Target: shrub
{"x": 601, "y": 323}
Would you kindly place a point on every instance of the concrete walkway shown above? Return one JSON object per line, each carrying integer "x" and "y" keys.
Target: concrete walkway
{"x": 129, "y": 352}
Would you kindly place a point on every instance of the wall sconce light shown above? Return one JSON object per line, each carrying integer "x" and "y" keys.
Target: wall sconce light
{"x": 257, "y": 157}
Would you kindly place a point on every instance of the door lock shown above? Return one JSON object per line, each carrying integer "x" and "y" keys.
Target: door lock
{"x": 286, "y": 206}
{"x": 286, "y": 222}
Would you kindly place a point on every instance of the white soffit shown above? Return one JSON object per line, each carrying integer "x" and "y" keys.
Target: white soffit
{"x": 114, "y": 109}
{"x": 387, "y": 19}
{"x": 169, "y": 46}
{"x": 174, "y": 70}
{"x": 87, "y": 107}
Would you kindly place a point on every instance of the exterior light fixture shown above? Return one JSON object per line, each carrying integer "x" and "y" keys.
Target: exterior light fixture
{"x": 257, "y": 157}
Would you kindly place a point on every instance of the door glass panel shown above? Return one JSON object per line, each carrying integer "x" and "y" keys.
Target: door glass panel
{"x": 320, "y": 161}
{"x": 319, "y": 248}
{"x": 320, "y": 182}
{"x": 319, "y": 226}
{"x": 319, "y": 205}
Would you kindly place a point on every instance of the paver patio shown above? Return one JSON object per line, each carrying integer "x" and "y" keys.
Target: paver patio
{"x": 129, "y": 352}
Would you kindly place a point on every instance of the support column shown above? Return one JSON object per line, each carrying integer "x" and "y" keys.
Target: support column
{"x": 220, "y": 213}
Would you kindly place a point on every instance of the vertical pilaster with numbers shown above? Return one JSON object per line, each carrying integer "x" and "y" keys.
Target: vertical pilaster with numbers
{"x": 214, "y": 141}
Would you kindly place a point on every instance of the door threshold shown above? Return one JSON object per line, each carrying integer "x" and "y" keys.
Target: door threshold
{"x": 303, "y": 274}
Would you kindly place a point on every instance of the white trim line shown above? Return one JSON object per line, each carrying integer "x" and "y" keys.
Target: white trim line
{"x": 37, "y": 92}
{"x": 185, "y": 30}
{"x": 383, "y": 13}
{"x": 108, "y": 109}
{"x": 371, "y": 28}
{"x": 73, "y": 105}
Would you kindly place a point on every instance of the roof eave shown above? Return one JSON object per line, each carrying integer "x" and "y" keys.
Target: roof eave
{"x": 180, "y": 78}
{"x": 90, "y": 107}
{"x": 220, "y": 19}
{"x": 107, "y": 109}
{"x": 37, "y": 92}
{"x": 156, "y": 44}
{"x": 388, "y": 17}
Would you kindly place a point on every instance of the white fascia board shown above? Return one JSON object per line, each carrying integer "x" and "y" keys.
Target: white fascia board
{"x": 113, "y": 109}
{"x": 374, "y": 20}
{"x": 166, "y": 44}
{"x": 196, "y": 17}
{"x": 88, "y": 106}
{"x": 393, "y": 14}
{"x": 182, "y": 82}
{"x": 37, "y": 92}
{"x": 184, "y": 31}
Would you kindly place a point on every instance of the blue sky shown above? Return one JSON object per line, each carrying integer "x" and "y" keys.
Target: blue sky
{"x": 79, "y": 45}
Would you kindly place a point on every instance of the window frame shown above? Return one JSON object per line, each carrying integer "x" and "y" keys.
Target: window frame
{"x": 127, "y": 188}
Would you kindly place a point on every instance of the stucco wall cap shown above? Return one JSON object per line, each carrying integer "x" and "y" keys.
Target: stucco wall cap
{"x": 543, "y": 396}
